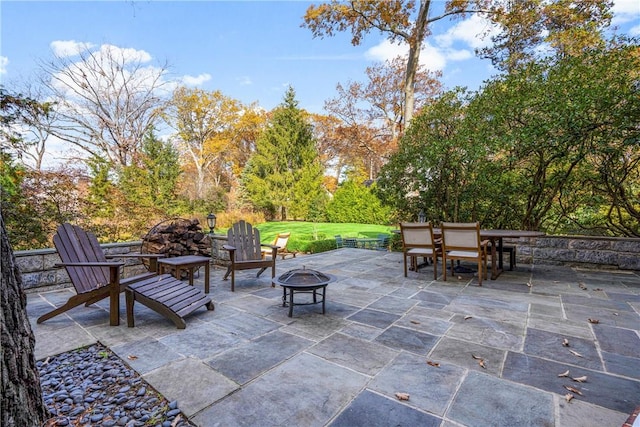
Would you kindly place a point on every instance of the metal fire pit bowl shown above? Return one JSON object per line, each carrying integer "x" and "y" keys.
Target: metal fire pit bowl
{"x": 305, "y": 281}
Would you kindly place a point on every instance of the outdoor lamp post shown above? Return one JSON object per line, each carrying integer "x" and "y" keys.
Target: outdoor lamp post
{"x": 211, "y": 221}
{"x": 421, "y": 216}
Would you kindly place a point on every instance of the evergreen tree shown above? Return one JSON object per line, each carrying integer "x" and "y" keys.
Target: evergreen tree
{"x": 284, "y": 176}
{"x": 354, "y": 202}
{"x": 153, "y": 180}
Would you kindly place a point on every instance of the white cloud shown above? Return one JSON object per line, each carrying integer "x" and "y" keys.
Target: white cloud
{"x": 386, "y": 51}
{"x": 432, "y": 58}
{"x": 470, "y": 34}
{"x": 197, "y": 80}
{"x": 4, "y": 61}
{"x": 127, "y": 54}
{"x": 626, "y": 7}
{"x": 67, "y": 48}
{"x": 626, "y": 10}
{"x": 458, "y": 55}
{"x": 476, "y": 32}
{"x": 634, "y": 31}
{"x": 244, "y": 80}
{"x": 70, "y": 48}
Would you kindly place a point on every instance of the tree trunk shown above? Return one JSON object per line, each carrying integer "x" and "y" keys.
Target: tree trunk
{"x": 22, "y": 403}
{"x": 413, "y": 61}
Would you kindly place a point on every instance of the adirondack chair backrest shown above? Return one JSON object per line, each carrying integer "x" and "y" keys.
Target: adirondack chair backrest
{"x": 246, "y": 240}
{"x": 76, "y": 245}
{"x": 281, "y": 241}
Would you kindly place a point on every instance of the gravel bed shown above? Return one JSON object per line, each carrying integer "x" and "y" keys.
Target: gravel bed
{"x": 91, "y": 386}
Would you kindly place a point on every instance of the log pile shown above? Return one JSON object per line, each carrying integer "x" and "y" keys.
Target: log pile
{"x": 177, "y": 237}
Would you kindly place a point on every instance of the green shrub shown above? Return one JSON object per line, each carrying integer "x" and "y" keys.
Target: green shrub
{"x": 318, "y": 246}
{"x": 353, "y": 202}
{"x": 395, "y": 242}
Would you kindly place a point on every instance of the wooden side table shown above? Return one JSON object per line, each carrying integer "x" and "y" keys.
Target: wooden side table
{"x": 189, "y": 263}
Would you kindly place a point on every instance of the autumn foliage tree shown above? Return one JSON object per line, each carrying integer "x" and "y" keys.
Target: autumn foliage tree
{"x": 203, "y": 123}
{"x": 370, "y": 114}
{"x": 561, "y": 28}
{"x": 402, "y": 21}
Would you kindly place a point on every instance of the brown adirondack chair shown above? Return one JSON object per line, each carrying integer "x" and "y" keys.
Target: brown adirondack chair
{"x": 245, "y": 252}
{"x": 94, "y": 277}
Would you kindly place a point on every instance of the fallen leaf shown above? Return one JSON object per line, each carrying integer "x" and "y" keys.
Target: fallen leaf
{"x": 468, "y": 317}
{"x": 582, "y": 286}
{"x": 481, "y": 363}
{"x": 476, "y": 357}
{"x": 564, "y": 374}
{"x": 459, "y": 277}
{"x": 132, "y": 357}
{"x": 568, "y": 397}
{"x": 565, "y": 342}
{"x": 436, "y": 364}
{"x": 402, "y": 396}
{"x": 176, "y": 420}
{"x": 594, "y": 321}
{"x": 415, "y": 322}
{"x": 580, "y": 379}
{"x": 575, "y": 353}
{"x": 573, "y": 390}
{"x": 597, "y": 289}
{"x": 529, "y": 284}
{"x": 615, "y": 314}
{"x": 46, "y": 362}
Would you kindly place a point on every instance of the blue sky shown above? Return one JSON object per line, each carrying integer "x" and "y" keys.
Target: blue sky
{"x": 249, "y": 50}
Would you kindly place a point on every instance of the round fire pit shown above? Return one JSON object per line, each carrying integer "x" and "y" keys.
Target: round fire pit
{"x": 305, "y": 281}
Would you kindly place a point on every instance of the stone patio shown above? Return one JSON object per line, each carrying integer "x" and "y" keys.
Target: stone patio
{"x": 247, "y": 363}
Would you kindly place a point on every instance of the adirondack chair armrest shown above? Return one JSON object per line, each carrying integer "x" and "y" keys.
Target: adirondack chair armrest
{"x": 89, "y": 264}
{"x": 135, "y": 255}
{"x": 273, "y": 250}
{"x": 228, "y": 248}
{"x": 153, "y": 258}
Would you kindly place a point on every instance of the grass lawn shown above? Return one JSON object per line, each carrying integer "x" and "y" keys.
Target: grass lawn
{"x": 302, "y": 233}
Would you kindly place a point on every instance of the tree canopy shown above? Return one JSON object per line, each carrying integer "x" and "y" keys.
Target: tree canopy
{"x": 552, "y": 146}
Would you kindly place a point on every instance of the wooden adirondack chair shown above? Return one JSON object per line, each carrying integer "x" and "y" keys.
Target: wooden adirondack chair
{"x": 245, "y": 252}
{"x": 94, "y": 277}
{"x": 281, "y": 241}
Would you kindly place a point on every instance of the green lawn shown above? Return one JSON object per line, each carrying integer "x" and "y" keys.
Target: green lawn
{"x": 303, "y": 233}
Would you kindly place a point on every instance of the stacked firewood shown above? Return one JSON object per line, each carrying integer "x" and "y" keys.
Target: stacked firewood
{"x": 177, "y": 237}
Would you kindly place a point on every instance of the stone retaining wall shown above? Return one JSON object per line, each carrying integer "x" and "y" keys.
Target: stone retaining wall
{"x": 585, "y": 251}
{"x": 38, "y": 269}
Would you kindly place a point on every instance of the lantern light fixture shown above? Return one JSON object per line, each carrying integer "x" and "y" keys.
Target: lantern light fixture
{"x": 421, "y": 216}
{"x": 211, "y": 221}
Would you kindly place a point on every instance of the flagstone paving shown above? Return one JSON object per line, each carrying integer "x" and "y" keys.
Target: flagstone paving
{"x": 465, "y": 355}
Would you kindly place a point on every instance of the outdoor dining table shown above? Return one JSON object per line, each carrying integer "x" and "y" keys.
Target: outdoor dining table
{"x": 496, "y": 236}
